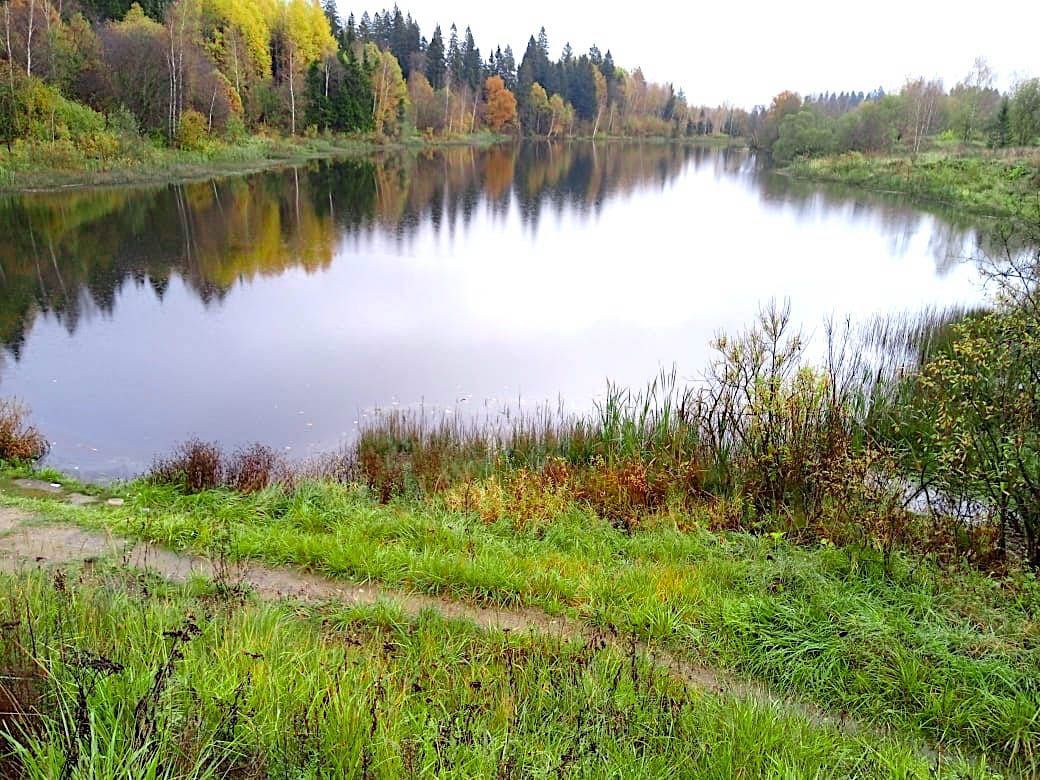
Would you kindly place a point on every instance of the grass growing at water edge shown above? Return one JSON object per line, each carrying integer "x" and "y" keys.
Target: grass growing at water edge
{"x": 988, "y": 184}
{"x": 60, "y": 165}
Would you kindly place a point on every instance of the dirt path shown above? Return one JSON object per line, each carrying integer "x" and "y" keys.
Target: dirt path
{"x": 25, "y": 542}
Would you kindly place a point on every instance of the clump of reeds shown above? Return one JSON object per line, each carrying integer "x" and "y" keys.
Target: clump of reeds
{"x": 252, "y": 469}
{"x": 20, "y": 441}
{"x": 197, "y": 466}
{"x": 767, "y": 435}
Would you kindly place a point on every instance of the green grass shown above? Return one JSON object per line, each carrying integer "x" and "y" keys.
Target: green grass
{"x": 255, "y": 690}
{"x": 983, "y": 183}
{"x": 951, "y": 656}
{"x": 45, "y": 166}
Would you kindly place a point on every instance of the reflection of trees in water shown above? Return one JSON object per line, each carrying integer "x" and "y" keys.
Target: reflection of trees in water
{"x": 69, "y": 255}
{"x": 952, "y": 236}
{"x": 583, "y": 177}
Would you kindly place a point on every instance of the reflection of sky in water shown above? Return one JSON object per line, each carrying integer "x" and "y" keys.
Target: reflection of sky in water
{"x": 493, "y": 310}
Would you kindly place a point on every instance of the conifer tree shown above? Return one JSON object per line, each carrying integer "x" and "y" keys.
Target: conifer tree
{"x": 436, "y": 65}
{"x": 332, "y": 14}
{"x": 472, "y": 65}
{"x": 454, "y": 59}
{"x": 349, "y": 33}
{"x": 507, "y": 68}
{"x": 1000, "y": 131}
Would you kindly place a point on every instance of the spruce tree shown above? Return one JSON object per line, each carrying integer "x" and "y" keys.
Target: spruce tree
{"x": 472, "y": 64}
{"x": 1000, "y": 130}
{"x": 349, "y": 33}
{"x": 527, "y": 75}
{"x": 507, "y": 68}
{"x": 436, "y": 66}
{"x": 581, "y": 89}
{"x": 398, "y": 39}
{"x": 526, "y": 78}
{"x": 332, "y": 14}
{"x": 454, "y": 59}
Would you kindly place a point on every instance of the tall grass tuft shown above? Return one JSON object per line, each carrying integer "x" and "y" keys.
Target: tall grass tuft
{"x": 252, "y": 469}
{"x": 20, "y": 441}
{"x": 195, "y": 465}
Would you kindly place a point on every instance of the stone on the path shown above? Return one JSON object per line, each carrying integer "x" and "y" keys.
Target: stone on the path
{"x": 39, "y": 485}
{"x": 115, "y": 502}
{"x": 79, "y": 499}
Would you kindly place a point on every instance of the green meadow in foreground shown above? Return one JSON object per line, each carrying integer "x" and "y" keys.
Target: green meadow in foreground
{"x": 141, "y": 679}
{"x": 951, "y": 656}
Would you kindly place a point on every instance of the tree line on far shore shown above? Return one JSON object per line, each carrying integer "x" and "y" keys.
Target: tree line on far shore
{"x": 186, "y": 70}
{"x": 89, "y": 72}
{"x": 972, "y": 112}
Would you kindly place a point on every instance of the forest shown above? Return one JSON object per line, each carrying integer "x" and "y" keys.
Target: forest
{"x": 90, "y": 82}
{"x": 972, "y": 112}
{"x": 94, "y": 72}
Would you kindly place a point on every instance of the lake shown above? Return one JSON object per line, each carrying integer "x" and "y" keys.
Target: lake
{"x": 284, "y": 306}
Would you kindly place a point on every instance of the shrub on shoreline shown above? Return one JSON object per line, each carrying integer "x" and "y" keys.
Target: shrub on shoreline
{"x": 20, "y": 441}
{"x": 197, "y": 466}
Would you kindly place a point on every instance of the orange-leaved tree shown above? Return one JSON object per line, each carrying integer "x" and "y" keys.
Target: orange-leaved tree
{"x": 500, "y": 110}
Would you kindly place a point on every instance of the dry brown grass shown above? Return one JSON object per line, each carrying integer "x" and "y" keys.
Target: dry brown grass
{"x": 19, "y": 439}
{"x": 252, "y": 469}
{"x": 194, "y": 465}
{"x": 197, "y": 466}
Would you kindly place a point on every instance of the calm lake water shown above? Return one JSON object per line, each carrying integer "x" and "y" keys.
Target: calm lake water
{"x": 284, "y": 306}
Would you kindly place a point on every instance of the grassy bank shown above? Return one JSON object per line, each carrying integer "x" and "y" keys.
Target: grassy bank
{"x": 61, "y": 165}
{"x": 983, "y": 183}
{"x": 948, "y": 655}
{"x": 113, "y": 674}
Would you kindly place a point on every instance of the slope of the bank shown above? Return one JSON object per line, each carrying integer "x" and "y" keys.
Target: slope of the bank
{"x": 53, "y": 166}
{"x": 1002, "y": 185}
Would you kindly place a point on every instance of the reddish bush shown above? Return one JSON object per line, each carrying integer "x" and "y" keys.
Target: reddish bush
{"x": 252, "y": 469}
{"x": 19, "y": 441}
{"x": 623, "y": 493}
{"x": 195, "y": 465}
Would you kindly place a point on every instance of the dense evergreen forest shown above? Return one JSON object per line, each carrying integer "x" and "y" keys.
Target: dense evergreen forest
{"x": 93, "y": 73}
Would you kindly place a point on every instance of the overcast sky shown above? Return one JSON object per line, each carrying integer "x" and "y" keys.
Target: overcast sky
{"x": 745, "y": 51}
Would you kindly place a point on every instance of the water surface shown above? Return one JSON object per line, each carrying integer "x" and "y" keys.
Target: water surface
{"x": 284, "y": 306}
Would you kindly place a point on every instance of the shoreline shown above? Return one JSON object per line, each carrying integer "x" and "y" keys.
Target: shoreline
{"x": 979, "y": 184}
{"x": 258, "y": 154}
